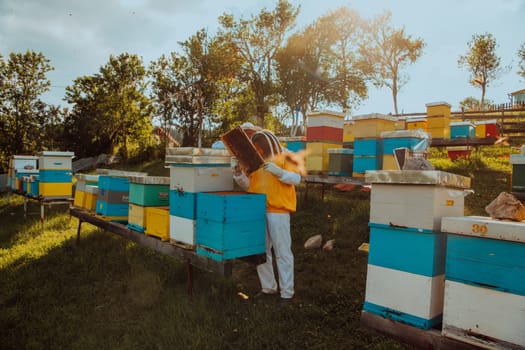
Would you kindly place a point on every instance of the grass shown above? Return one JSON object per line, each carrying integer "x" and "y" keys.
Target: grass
{"x": 109, "y": 293}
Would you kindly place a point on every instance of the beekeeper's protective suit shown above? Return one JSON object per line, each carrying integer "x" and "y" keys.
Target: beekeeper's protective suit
{"x": 277, "y": 179}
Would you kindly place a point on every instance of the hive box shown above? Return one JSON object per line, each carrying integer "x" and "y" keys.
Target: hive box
{"x": 518, "y": 172}
{"x": 486, "y": 128}
{"x": 136, "y": 217}
{"x": 149, "y": 190}
{"x": 372, "y": 125}
{"x": 90, "y": 198}
{"x": 326, "y": 119}
{"x": 57, "y": 160}
{"x": 414, "y": 198}
{"x": 324, "y": 133}
{"x": 408, "y": 139}
{"x": 113, "y": 183}
{"x": 456, "y": 152}
{"x": 230, "y": 224}
{"x": 182, "y": 230}
{"x": 416, "y": 123}
{"x": 485, "y": 281}
{"x": 158, "y": 222}
{"x": 405, "y": 280}
{"x": 182, "y": 204}
{"x": 363, "y": 164}
{"x": 340, "y": 162}
{"x": 368, "y": 147}
{"x": 348, "y": 131}
{"x": 201, "y": 177}
{"x": 55, "y": 189}
{"x": 462, "y": 130}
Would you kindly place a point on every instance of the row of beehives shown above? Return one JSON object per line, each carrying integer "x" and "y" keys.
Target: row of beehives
{"x": 196, "y": 207}
{"x": 430, "y": 266}
{"x": 46, "y": 175}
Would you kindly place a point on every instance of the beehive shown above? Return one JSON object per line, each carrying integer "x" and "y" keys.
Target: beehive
{"x": 414, "y": 198}
{"x": 486, "y": 128}
{"x": 317, "y": 157}
{"x": 16, "y": 167}
{"x": 340, "y": 161}
{"x": 372, "y": 125}
{"x": 409, "y": 139}
{"x": 324, "y": 133}
{"x": 90, "y": 198}
{"x": 137, "y": 217}
{"x": 182, "y": 204}
{"x": 348, "y": 131}
{"x": 416, "y": 123}
{"x": 149, "y": 190}
{"x": 182, "y": 230}
{"x": 456, "y": 152}
{"x": 325, "y": 119}
{"x": 462, "y": 130}
{"x": 438, "y": 109}
{"x": 158, "y": 222}
{"x": 485, "y": 281}
{"x": 518, "y": 173}
{"x": 410, "y": 265}
{"x": 230, "y": 224}
{"x": 406, "y": 263}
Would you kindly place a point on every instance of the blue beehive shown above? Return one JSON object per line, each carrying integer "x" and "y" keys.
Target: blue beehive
{"x": 363, "y": 163}
{"x": 462, "y": 130}
{"x": 55, "y": 175}
{"x": 368, "y": 147}
{"x": 230, "y": 224}
{"x": 182, "y": 204}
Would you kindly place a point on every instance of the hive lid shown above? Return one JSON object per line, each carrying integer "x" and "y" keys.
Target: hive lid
{"x": 26, "y": 171}
{"x": 57, "y": 153}
{"x": 325, "y": 113}
{"x": 20, "y": 157}
{"x": 119, "y": 173}
{"x": 150, "y": 180}
{"x": 417, "y": 133}
{"x": 417, "y": 177}
{"x": 374, "y": 116}
{"x": 86, "y": 177}
{"x": 484, "y": 226}
{"x": 461, "y": 123}
{"x": 517, "y": 159}
{"x": 91, "y": 189}
{"x": 181, "y": 159}
{"x": 195, "y": 151}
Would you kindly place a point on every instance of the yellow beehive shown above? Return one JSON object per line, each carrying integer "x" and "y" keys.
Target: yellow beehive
{"x": 371, "y": 126}
{"x": 438, "y": 122}
{"x": 481, "y": 130}
{"x": 439, "y": 133}
{"x": 55, "y": 189}
{"x": 136, "y": 216}
{"x": 354, "y": 174}
{"x": 389, "y": 162}
{"x": 317, "y": 158}
{"x": 79, "y": 198}
{"x": 417, "y": 123}
{"x": 90, "y": 198}
{"x": 348, "y": 132}
{"x": 438, "y": 109}
{"x": 158, "y": 222}
{"x": 315, "y": 163}
{"x": 400, "y": 124}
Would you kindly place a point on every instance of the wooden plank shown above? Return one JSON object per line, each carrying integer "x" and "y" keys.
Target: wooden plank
{"x": 223, "y": 268}
{"x": 463, "y": 142}
{"x": 421, "y": 339}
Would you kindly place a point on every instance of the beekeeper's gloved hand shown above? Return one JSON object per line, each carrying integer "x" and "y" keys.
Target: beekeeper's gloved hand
{"x": 236, "y": 169}
{"x": 274, "y": 169}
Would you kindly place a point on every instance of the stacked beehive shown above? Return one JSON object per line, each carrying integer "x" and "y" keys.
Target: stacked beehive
{"x": 438, "y": 120}
{"x": 348, "y": 134}
{"x": 293, "y": 144}
{"x": 20, "y": 166}
{"x": 324, "y": 131}
{"x": 230, "y": 224}
{"x": 409, "y": 139}
{"x": 367, "y": 143}
{"x": 113, "y": 194}
{"x": 193, "y": 170}
{"x": 55, "y": 174}
{"x": 149, "y": 205}
{"x": 485, "y": 282}
{"x": 81, "y": 191}
{"x": 406, "y": 263}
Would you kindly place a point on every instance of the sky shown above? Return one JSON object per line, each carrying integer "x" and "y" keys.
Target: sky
{"x": 79, "y": 36}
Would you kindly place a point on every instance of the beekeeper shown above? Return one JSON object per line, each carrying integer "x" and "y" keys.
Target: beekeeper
{"x": 277, "y": 179}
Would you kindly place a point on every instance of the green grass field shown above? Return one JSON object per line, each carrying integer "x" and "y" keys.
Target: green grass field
{"x": 109, "y": 293}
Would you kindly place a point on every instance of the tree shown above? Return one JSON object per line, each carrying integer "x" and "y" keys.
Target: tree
{"x": 22, "y": 114}
{"x": 257, "y": 41}
{"x": 388, "y": 51}
{"x": 473, "y": 104}
{"x": 187, "y": 86}
{"x": 481, "y": 62}
{"x": 110, "y": 108}
{"x": 521, "y": 56}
